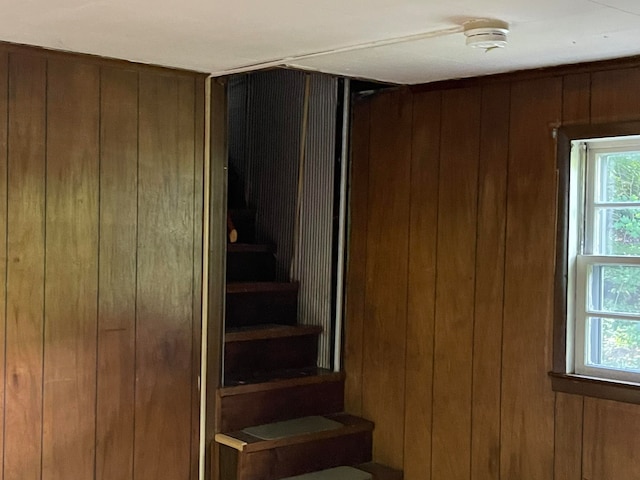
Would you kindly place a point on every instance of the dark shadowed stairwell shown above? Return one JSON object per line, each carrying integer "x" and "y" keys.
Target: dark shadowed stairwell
{"x": 279, "y": 415}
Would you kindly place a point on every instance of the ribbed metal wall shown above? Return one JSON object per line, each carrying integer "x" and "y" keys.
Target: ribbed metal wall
{"x": 267, "y": 155}
{"x": 313, "y": 262}
{"x": 274, "y": 124}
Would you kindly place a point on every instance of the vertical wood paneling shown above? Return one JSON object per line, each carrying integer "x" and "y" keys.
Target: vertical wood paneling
{"x": 196, "y": 327}
{"x": 576, "y": 98}
{"x": 527, "y": 399}
{"x": 576, "y": 108}
{"x": 615, "y": 95}
{"x": 489, "y": 267}
{"x": 455, "y": 284}
{"x": 611, "y": 440}
{"x": 69, "y": 247}
{"x": 494, "y": 414}
{"x": 25, "y": 268}
{"x": 425, "y": 160}
{"x": 4, "y": 80}
{"x": 165, "y": 251}
{"x": 356, "y": 270}
{"x": 386, "y": 282}
{"x": 71, "y": 270}
{"x": 117, "y": 281}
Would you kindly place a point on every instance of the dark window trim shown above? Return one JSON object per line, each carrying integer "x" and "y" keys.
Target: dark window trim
{"x": 562, "y": 381}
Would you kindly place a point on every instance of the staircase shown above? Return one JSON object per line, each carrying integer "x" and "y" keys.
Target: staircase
{"x": 279, "y": 415}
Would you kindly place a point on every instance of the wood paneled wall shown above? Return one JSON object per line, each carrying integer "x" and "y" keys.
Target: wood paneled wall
{"x": 450, "y": 281}
{"x": 100, "y": 268}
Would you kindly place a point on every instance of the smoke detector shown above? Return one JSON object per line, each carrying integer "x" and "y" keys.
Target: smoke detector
{"x": 486, "y": 33}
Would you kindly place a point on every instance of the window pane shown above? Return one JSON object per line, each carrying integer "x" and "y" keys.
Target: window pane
{"x": 617, "y": 231}
{"x": 615, "y": 289}
{"x": 619, "y": 177}
{"x": 613, "y": 344}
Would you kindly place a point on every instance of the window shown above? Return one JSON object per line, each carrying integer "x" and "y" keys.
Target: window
{"x": 597, "y": 334}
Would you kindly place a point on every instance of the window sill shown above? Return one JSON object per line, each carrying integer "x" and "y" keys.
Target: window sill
{"x": 595, "y": 387}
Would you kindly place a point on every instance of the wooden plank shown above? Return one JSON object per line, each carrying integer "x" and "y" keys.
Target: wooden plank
{"x": 568, "y": 437}
{"x": 356, "y": 265}
{"x": 615, "y": 95}
{"x": 611, "y": 440}
{"x": 576, "y": 98}
{"x": 198, "y": 231}
{"x": 4, "y": 79}
{"x": 71, "y": 270}
{"x": 387, "y": 270}
{"x": 25, "y": 270}
{"x": 421, "y": 284}
{"x": 455, "y": 284}
{"x": 165, "y": 281}
{"x": 527, "y": 402}
{"x": 187, "y": 139}
{"x": 487, "y": 333}
{"x": 117, "y": 277}
{"x": 217, "y": 216}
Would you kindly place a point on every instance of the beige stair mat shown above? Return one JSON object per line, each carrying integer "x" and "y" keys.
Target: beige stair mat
{"x": 338, "y": 473}
{"x": 291, "y": 428}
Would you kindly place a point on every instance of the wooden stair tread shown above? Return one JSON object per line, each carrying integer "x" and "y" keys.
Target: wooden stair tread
{"x": 245, "y": 442}
{"x": 256, "y": 287}
{"x": 251, "y": 248}
{"x": 269, "y": 331}
{"x": 272, "y": 376}
{"x": 287, "y": 380}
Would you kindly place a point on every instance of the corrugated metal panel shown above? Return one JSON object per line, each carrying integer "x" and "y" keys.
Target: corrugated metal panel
{"x": 274, "y": 122}
{"x": 272, "y": 112}
{"x": 314, "y": 259}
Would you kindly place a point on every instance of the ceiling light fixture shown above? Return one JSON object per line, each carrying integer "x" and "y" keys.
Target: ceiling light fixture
{"x": 486, "y": 33}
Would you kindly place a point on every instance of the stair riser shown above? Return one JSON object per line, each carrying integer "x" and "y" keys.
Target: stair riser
{"x": 302, "y": 458}
{"x": 251, "y": 267}
{"x": 257, "y": 357}
{"x": 256, "y": 408}
{"x": 260, "y": 308}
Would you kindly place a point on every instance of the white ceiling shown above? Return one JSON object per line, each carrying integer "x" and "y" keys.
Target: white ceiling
{"x": 217, "y": 37}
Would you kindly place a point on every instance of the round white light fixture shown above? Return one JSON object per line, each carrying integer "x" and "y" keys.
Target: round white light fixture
{"x": 486, "y": 33}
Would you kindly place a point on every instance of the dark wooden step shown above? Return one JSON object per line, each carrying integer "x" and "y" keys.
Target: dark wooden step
{"x": 244, "y": 221}
{"x": 261, "y": 303}
{"x": 248, "y": 262}
{"x": 251, "y": 351}
{"x": 254, "y": 404}
{"x": 246, "y": 457}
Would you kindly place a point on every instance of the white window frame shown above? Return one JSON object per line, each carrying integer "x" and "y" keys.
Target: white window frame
{"x": 581, "y": 258}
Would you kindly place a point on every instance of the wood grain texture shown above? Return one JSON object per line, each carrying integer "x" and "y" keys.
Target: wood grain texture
{"x": 576, "y": 98}
{"x": 568, "y": 437}
{"x": 527, "y": 401}
{"x": 165, "y": 279}
{"x": 455, "y": 284}
{"x": 4, "y": 85}
{"x": 25, "y": 268}
{"x": 196, "y": 324}
{"x": 71, "y": 270}
{"x": 425, "y": 161}
{"x": 386, "y": 276}
{"x": 615, "y": 95}
{"x": 489, "y": 298}
{"x": 611, "y": 440}
{"x": 117, "y": 276}
{"x": 356, "y": 266}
